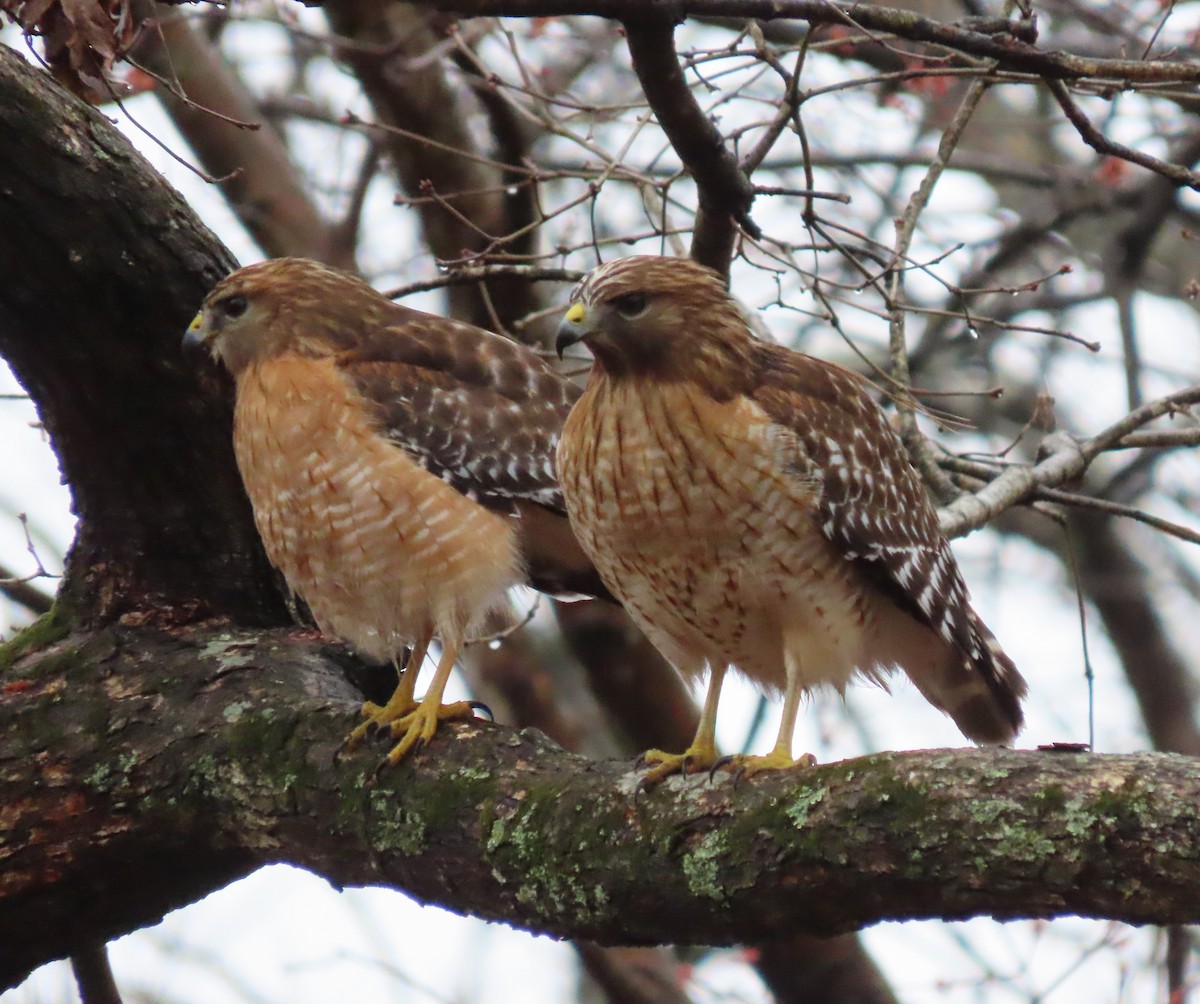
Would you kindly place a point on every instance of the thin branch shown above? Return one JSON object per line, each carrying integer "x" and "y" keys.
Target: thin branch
{"x": 344, "y": 234}
{"x": 788, "y": 106}
{"x": 94, "y": 975}
{"x": 215, "y": 111}
{"x": 18, "y": 589}
{"x": 1012, "y": 49}
{"x": 723, "y": 190}
{"x": 1171, "y": 404}
{"x": 1158, "y": 439}
{"x": 462, "y": 276}
{"x": 1118, "y": 509}
{"x": 1066, "y": 459}
{"x": 918, "y": 447}
{"x": 804, "y": 193}
{"x": 1094, "y": 138}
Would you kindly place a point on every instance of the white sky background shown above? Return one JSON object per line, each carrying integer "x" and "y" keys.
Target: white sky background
{"x": 284, "y": 935}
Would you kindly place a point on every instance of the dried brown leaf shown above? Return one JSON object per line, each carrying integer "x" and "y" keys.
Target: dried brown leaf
{"x": 82, "y": 38}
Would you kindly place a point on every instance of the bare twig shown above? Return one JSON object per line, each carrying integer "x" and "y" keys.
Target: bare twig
{"x": 215, "y": 111}
{"x": 41, "y": 572}
{"x": 783, "y": 114}
{"x": 1094, "y": 138}
{"x": 1066, "y": 459}
{"x": 918, "y": 447}
{"x": 805, "y": 193}
{"x": 18, "y": 589}
{"x": 1117, "y": 509}
{"x": 461, "y": 276}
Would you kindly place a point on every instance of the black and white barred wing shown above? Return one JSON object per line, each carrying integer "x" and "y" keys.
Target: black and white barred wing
{"x": 874, "y": 509}
{"x": 477, "y": 409}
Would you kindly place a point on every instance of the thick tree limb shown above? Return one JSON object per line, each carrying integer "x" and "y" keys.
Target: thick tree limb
{"x": 141, "y": 769}
{"x": 1008, "y": 48}
{"x": 90, "y": 321}
{"x": 723, "y": 191}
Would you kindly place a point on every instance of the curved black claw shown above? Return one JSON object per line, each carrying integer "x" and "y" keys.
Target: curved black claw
{"x": 372, "y": 779}
{"x": 644, "y": 783}
{"x": 480, "y": 706}
{"x": 339, "y": 751}
{"x": 718, "y": 764}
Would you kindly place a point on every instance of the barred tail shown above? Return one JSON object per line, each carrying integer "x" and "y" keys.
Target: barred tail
{"x": 978, "y": 687}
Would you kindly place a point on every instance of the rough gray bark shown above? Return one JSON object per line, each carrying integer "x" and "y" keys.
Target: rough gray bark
{"x": 140, "y": 768}
{"x": 91, "y": 317}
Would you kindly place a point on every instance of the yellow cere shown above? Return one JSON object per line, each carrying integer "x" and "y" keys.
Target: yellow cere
{"x": 575, "y": 313}
{"x": 196, "y": 322}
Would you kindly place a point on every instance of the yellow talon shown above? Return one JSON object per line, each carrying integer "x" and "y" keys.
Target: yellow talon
{"x": 746, "y": 765}
{"x": 418, "y": 728}
{"x": 399, "y": 706}
{"x": 700, "y": 756}
{"x": 413, "y": 724}
{"x": 377, "y": 716}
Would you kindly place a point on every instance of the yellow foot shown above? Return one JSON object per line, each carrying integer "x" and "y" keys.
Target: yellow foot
{"x": 694, "y": 759}
{"x": 377, "y": 716}
{"x": 745, "y": 765}
{"x": 415, "y": 729}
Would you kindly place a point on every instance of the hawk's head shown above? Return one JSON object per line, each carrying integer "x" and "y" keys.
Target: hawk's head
{"x": 664, "y": 318}
{"x": 281, "y": 305}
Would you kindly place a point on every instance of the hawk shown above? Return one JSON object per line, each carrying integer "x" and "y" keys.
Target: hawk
{"x": 400, "y": 467}
{"x": 752, "y": 507}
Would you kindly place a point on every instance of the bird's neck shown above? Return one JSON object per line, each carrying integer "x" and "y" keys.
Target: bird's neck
{"x": 718, "y": 376}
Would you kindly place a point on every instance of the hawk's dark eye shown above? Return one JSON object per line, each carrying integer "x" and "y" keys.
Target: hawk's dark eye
{"x": 235, "y": 306}
{"x": 631, "y": 304}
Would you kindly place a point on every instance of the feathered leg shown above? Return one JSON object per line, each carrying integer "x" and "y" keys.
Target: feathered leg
{"x": 780, "y": 758}
{"x": 418, "y": 727}
{"x": 702, "y": 754}
{"x": 401, "y": 702}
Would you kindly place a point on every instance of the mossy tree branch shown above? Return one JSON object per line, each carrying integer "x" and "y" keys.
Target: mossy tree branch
{"x": 140, "y": 768}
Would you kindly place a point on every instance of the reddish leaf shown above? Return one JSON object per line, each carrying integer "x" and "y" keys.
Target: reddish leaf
{"x": 139, "y": 82}
{"x": 16, "y": 687}
{"x": 1112, "y": 171}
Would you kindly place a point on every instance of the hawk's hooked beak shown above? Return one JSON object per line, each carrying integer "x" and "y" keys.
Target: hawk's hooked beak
{"x": 196, "y": 336}
{"x": 574, "y": 328}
